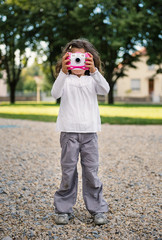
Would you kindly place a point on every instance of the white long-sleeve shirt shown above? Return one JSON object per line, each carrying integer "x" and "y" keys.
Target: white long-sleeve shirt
{"x": 79, "y": 110}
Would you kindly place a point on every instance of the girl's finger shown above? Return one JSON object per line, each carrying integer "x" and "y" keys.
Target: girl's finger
{"x": 67, "y": 60}
{"x": 90, "y": 54}
{"x": 65, "y": 56}
{"x": 89, "y": 59}
{"x": 88, "y": 66}
{"x": 67, "y": 65}
{"x": 89, "y": 62}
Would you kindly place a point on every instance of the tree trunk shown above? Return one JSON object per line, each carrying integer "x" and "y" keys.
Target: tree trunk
{"x": 109, "y": 76}
{"x": 12, "y": 93}
{"x": 111, "y": 96}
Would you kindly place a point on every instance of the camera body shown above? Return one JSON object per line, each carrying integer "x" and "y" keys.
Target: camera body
{"x": 77, "y": 60}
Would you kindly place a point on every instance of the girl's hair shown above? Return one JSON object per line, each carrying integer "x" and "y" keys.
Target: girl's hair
{"x": 80, "y": 43}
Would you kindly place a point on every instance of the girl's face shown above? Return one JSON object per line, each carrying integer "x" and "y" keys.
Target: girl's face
{"x": 78, "y": 72}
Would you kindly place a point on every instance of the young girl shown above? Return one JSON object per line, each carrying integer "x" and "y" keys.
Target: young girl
{"x": 78, "y": 121}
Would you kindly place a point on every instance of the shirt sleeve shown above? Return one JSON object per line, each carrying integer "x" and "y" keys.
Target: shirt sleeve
{"x": 58, "y": 86}
{"x": 101, "y": 85}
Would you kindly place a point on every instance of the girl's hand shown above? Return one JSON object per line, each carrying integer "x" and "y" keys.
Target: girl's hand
{"x": 90, "y": 63}
{"x": 64, "y": 63}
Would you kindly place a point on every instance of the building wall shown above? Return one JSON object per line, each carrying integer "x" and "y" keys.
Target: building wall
{"x": 3, "y": 85}
{"x": 158, "y": 86}
{"x": 143, "y": 72}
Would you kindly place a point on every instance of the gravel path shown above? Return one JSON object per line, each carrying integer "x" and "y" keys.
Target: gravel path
{"x": 30, "y": 174}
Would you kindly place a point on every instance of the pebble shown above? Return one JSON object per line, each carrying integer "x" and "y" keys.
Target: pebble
{"x": 2, "y": 191}
{"x": 30, "y": 174}
{"x": 7, "y": 238}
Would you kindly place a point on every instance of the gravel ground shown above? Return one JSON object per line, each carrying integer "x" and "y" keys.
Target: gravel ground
{"x": 30, "y": 174}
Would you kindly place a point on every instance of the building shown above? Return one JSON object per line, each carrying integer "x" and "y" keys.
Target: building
{"x": 3, "y": 85}
{"x": 141, "y": 84}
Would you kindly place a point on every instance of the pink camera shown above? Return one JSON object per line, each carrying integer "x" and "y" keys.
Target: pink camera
{"x": 77, "y": 60}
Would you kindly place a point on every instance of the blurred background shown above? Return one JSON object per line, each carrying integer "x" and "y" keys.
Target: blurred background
{"x": 127, "y": 35}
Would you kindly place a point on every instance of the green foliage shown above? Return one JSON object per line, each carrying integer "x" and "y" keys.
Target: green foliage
{"x": 152, "y": 31}
{"x": 30, "y": 85}
{"x": 27, "y": 82}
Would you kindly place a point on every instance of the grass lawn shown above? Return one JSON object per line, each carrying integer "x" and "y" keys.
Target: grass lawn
{"x": 112, "y": 114}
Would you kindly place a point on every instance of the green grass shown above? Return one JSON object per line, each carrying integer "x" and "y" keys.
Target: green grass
{"x": 112, "y": 114}
{"x": 131, "y": 114}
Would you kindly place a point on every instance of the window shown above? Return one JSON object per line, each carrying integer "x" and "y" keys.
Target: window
{"x": 135, "y": 84}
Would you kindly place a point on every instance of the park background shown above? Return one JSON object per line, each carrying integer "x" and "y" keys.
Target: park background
{"x": 32, "y": 34}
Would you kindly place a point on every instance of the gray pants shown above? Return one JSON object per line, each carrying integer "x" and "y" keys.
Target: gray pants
{"x": 87, "y": 145}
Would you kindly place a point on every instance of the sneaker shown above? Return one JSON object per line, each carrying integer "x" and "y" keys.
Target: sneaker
{"x": 61, "y": 219}
{"x": 100, "y": 219}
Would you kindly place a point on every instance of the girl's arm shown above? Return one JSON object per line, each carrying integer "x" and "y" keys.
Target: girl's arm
{"x": 58, "y": 85}
{"x": 101, "y": 85}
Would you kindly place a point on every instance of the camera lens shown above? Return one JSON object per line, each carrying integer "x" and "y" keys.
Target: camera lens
{"x": 77, "y": 60}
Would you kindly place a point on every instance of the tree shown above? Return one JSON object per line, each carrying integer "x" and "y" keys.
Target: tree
{"x": 116, "y": 28}
{"x": 112, "y": 26}
{"x": 113, "y": 29}
{"x": 16, "y": 34}
{"x": 151, "y": 35}
{"x": 56, "y": 28}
